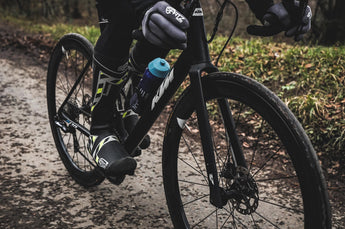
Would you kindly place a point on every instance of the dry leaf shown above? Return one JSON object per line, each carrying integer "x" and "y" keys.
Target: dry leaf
{"x": 308, "y": 65}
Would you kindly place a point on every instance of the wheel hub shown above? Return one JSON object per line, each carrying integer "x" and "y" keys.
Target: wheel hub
{"x": 241, "y": 189}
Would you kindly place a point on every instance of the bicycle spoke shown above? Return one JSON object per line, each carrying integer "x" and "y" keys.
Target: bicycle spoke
{"x": 192, "y": 201}
{"x": 62, "y": 87}
{"x": 253, "y": 220}
{"x": 239, "y": 114}
{"x": 269, "y": 159}
{"x": 255, "y": 147}
{"x": 234, "y": 217}
{"x": 200, "y": 172}
{"x": 66, "y": 72}
{"x": 225, "y": 221}
{"x": 234, "y": 222}
{"x": 82, "y": 148}
{"x": 68, "y": 141}
{"x": 76, "y": 63}
{"x": 266, "y": 219}
{"x": 202, "y": 220}
{"x": 87, "y": 159}
{"x": 216, "y": 217}
{"x": 81, "y": 83}
{"x": 192, "y": 167}
{"x": 219, "y": 160}
{"x": 191, "y": 182}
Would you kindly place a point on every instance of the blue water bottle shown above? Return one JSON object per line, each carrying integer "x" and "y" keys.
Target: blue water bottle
{"x": 153, "y": 76}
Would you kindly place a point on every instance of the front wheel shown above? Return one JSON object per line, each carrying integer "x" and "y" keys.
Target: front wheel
{"x": 281, "y": 184}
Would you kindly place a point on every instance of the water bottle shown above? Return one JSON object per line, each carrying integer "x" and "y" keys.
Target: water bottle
{"x": 153, "y": 76}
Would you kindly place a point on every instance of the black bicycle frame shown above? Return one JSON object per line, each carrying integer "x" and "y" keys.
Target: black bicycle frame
{"x": 193, "y": 61}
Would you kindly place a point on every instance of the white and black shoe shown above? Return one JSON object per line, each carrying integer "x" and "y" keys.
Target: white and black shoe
{"x": 110, "y": 155}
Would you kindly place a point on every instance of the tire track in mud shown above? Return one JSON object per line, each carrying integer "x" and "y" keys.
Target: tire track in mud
{"x": 36, "y": 190}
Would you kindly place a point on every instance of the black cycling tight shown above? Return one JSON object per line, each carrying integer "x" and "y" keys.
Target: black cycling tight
{"x": 117, "y": 21}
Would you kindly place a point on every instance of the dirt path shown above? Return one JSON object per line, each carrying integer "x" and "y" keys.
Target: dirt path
{"x": 35, "y": 189}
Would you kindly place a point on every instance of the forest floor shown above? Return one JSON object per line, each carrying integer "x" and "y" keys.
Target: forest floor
{"x": 36, "y": 190}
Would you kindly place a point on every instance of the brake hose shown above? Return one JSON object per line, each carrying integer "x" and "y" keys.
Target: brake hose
{"x": 218, "y": 19}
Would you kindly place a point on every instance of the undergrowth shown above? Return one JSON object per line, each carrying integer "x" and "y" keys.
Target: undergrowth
{"x": 309, "y": 79}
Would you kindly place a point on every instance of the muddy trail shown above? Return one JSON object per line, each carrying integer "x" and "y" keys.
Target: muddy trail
{"x": 35, "y": 188}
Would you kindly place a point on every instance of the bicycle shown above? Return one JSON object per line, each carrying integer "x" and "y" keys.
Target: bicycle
{"x": 233, "y": 153}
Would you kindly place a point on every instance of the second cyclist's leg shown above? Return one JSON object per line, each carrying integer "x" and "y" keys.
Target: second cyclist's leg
{"x": 110, "y": 67}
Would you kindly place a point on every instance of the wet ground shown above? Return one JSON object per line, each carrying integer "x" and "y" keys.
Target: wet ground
{"x": 36, "y": 190}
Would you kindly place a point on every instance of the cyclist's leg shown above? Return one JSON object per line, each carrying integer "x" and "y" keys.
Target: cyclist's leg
{"x": 110, "y": 67}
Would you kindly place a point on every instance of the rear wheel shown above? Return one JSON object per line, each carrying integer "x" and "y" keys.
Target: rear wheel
{"x": 281, "y": 186}
{"x": 70, "y": 71}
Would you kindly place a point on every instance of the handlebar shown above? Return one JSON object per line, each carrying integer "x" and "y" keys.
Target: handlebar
{"x": 188, "y": 8}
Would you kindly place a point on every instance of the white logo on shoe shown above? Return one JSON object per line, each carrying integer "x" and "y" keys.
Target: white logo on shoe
{"x": 102, "y": 163}
{"x": 173, "y": 11}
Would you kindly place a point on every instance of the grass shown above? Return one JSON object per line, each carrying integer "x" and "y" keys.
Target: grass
{"x": 310, "y": 79}
{"x": 56, "y": 30}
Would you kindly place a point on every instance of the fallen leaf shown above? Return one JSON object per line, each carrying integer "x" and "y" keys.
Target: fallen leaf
{"x": 308, "y": 65}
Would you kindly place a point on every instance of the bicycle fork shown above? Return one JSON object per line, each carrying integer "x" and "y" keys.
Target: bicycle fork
{"x": 206, "y": 137}
{"x": 218, "y": 196}
{"x": 199, "y": 49}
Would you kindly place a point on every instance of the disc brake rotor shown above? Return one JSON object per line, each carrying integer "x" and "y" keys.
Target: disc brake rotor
{"x": 248, "y": 198}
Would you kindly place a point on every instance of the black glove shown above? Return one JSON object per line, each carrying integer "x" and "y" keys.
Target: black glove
{"x": 283, "y": 17}
{"x": 165, "y": 27}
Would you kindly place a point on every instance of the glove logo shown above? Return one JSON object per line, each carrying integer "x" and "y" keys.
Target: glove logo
{"x": 173, "y": 11}
{"x": 309, "y": 15}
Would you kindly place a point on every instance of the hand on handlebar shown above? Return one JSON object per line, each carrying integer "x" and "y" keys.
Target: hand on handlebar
{"x": 164, "y": 26}
{"x": 284, "y": 17}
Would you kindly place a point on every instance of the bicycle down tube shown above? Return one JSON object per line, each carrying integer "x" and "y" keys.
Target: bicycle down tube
{"x": 194, "y": 60}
